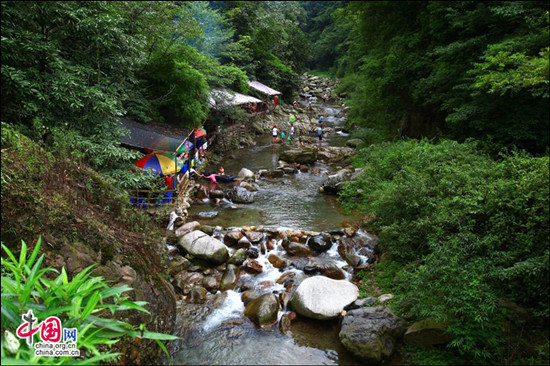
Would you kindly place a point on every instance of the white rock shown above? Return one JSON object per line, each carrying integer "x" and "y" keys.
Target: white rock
{"x": 321, "y": 297}
{"x": 246, "y": 173}
{"x": 187, "y": 228}
{"x": 204, "y": 246}
{"x": 385, "y": 297}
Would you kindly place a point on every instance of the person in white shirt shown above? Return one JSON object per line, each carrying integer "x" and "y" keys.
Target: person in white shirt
{"x": 274, "y": 133}
{"x": 292, "y": 134}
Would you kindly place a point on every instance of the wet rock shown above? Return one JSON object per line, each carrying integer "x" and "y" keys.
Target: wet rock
{"x": 270, "y": 244}
{"x": 197, "y": 295}
{"x": 205, "y": 247}
{"x": 321, "y": 298}
{"x": 351, "y": 230}
{"x": 240, "y": 195}
{"x": 245, "y": 173}
{"x": 334, "y": 183}
{"x": 319, "y": 243}
{"x": 304, "y": 168}
{"x": 284, "y": 324}
{"x": 254, "y": 236}
{"x": 346, "y": 251}
{"x": 277, "y": 261}
{"x": 179, "y": 221}
{"x": 371, "y": 333}
{"x": 230, "y": 277}
{"x": 252, "y": 266}
{"x": 252, "y": 187}
{"x": 263, "y": 310}
{"x": 311, "y": 269}
{"x": 273, "y": 174}
{"x": 289, "y": 170}
{"x": 249, "y": 295}
{"x": 210, "y": 283}
{"x": 185, "y": 281}
{"x": 187, "y": 228}
{"x": 238, "y": 257}
{"x": 427, "y": 332}
{"x": 216, "y": 194}
{"x": 301, "y": 156}
{"x": 178, "y": 264}
{"x": 207, "y": 229}
{"x": 287, "y": 276}
{"x": 232, "y": 238}
{"x": 246, "y": 229}
{"x": 252, "y": 253}
{"x": 332, "y": 271}
{"x": 298, "y": 249}
{"x": 243, "y": 243}
{"x": 359, "y": 303}
{"x": 172, "y": 252}
{"x": 270, "y": 233}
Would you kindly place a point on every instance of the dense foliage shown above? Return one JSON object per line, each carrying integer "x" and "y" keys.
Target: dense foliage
{"x": 462, "y": 69}
{"x": 85, "y": 302}
{"x": 468, "y": 232}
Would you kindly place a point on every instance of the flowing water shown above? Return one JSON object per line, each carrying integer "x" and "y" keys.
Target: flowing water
{"x": 217, "y": 332}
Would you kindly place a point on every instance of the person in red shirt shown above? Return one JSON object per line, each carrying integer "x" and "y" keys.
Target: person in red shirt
{"x": 275, "y": 101}
{"x": 168, "y": 181}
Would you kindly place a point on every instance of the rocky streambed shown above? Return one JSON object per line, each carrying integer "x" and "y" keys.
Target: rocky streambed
{"x": 265, "y": 275}
{"x": 290, "y": 286}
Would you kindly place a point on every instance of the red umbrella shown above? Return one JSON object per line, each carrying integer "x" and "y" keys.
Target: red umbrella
{"x": 199, "y": 132}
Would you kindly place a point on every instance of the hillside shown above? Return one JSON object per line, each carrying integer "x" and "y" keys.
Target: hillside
{"x": 83, "y": 220}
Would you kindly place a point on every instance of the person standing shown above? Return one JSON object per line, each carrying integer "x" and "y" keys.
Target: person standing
{"x": 320, "y": 134}
{"x": 292, "y": 134}
{"x": 324, "y": 98}
{"x": 274, "y": 134}
{"x": 275, "y": 101}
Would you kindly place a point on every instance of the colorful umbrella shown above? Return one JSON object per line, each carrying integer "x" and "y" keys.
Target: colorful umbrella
{"x": 200, "y": 132}
{"x": 185, "y": 147}
{"x": 164, "y": 164}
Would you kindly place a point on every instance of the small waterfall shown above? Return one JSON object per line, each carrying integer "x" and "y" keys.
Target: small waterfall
{"x": 231, "y": 308}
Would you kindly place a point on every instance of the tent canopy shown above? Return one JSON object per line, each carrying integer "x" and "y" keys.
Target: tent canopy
{"x": 264, "y": 89}
{"x": 222, "y": 97}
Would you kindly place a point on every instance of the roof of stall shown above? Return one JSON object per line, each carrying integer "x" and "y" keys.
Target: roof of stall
{"x": 264, "y": 89}
{"x": 143, "y": 137}
{"x": 230, "y": 98}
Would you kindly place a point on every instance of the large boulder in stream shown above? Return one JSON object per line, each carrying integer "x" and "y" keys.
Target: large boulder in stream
{"x": 203, "y": 246}
{"x": 322, "y": 298}
{"x": 371, "y": 333}
{"x": 240, "y": 195}
{"x": 246, "y": 173}
{"x": 319, "y": 243}
{"x": 350, "y": 250}
{"x": 301, "y": 156}
{"x": 263, "y": 310}
{"x": 335, "y": 182}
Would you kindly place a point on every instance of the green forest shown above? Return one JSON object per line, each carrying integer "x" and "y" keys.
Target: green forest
{"x": 449, "y": 99}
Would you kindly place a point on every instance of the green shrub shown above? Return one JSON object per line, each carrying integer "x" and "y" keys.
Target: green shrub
{"x": 472, "y": 230}
{"x": 86, "y": 303}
